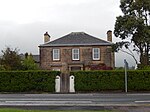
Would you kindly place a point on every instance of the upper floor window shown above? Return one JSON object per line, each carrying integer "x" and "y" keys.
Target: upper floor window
{"x": 75, "y": 54}
{"x": 96, "y": 53}
{"x": 56, "y": 54}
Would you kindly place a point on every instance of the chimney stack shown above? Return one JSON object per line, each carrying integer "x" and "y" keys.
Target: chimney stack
{"x": 109, "y": 36}
{"x": 46, "y": 37}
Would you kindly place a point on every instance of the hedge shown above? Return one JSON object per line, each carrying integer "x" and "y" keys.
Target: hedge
{"x": 27, "y": 81}
{"x": 95, "y": 81}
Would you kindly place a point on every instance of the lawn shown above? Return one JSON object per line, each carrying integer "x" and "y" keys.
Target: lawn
{"x": 19, "y": 110}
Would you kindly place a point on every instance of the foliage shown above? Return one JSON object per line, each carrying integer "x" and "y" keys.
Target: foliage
{"x": 90, "y": 81}
{"x": 98, "y": 81}
{"x": 2, "y": 68}
{"x": 11, "y": 59}
{"x": 20, "y": 110}
{"x": 29, "y": 63}
{"x": 133, "y": 27}
{"x": 27, "y": 81}
{"x": 99, "y": 67}
{"x": 143, "y": 67}
{"x": 119, "y": 68}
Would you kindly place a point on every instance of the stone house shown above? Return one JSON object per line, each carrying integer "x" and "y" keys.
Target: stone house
{"x": 76, "y": 51}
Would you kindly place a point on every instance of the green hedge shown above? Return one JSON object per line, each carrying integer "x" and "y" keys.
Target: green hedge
{"x": 90, "y": 81}
{"x": 27, "y": 81}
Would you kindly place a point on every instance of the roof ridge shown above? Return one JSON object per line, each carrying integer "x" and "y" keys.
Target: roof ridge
{"x": 77, "y": 38}
{"x": 75, "y": 33}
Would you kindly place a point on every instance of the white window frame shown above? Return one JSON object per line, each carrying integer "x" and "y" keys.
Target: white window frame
{"x": 96, "y": 53}
{"x": 56, "y": 52}
{"x": 77, "y": 54}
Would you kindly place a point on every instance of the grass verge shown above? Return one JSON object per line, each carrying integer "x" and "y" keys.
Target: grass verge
{"x": 19, "y": 110}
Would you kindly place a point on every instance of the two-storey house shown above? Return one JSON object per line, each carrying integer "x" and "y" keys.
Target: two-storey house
{"x": 76, "y": 51}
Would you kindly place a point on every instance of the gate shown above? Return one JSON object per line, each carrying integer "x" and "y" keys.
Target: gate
{"x": 64, "y": 83}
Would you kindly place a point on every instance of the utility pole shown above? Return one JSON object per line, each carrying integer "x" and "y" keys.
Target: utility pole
{"x": 126, "y": 79}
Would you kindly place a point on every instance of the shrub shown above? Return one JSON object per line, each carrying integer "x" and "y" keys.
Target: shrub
{"x": 89, "y": 81}
{"x": 2, "y": 68}
{"x": 27, "y": 81}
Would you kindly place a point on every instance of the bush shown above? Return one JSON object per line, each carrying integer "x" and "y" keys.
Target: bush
{"x": 89, "y": 81}
{"x": 139, "y": 80}
{"x": 28, "y": 81}
{"x": 143, "y": 67}
{"x": 2, "y": 68}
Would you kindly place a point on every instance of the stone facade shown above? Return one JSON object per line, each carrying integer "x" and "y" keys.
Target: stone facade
{"x": 66, "y": 63}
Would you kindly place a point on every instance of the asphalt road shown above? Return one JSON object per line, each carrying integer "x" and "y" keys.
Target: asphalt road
{"x": 93, "y": 101}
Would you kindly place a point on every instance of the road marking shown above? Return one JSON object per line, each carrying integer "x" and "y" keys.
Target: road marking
{"x": 48, "y": 102}
{"x": 78, "y": 104}
{"x": 142, "y": 101}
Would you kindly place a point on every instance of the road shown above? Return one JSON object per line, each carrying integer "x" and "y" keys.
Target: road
{"x": 93, "y": 100}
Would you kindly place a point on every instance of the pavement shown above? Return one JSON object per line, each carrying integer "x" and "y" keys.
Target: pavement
{"x": 90, "y": 101}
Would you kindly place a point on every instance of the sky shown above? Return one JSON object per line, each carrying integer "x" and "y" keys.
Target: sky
{"x": 23, "y": 22}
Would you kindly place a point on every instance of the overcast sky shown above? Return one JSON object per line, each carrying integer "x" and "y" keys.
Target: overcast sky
{"x": 23, "y": 22}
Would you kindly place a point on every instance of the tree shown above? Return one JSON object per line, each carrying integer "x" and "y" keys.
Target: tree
{"x": 2, "y": 68}
{"x": 133, "y": 27}
{"x": 10, "y": 59}
{"x": 29, "y": 63}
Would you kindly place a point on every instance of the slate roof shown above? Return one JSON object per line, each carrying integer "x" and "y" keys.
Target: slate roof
{"x": 77, "y": 39}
